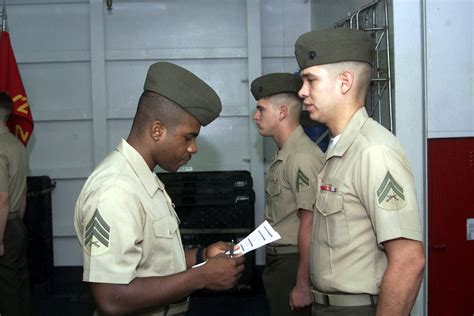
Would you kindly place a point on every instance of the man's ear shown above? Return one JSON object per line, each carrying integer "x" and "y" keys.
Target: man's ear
{"x": 347, "y": 80}
{"x": 157, "y": 130}
{"x": 283, "y": 112}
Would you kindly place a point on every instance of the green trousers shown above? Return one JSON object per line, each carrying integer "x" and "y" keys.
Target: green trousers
{"x": 279, "y": 278}
{"x": 14, "y": 280}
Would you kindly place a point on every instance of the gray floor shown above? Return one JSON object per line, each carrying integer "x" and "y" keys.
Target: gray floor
{"x": 65, "y": 294}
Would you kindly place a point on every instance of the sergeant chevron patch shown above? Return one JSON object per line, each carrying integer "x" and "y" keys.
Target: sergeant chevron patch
{"x": 97, "y": 235}
{"x": 301, "y": 180}
{"x": 390, "y": 194}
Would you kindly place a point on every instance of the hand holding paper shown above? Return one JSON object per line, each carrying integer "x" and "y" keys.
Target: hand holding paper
{"x": 262, "y": 235}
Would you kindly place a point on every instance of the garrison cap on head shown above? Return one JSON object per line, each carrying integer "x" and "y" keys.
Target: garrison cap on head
{"x": 185, "y": 89}
{"x": 274, "y": 83}
{"x": 333, "y": 46}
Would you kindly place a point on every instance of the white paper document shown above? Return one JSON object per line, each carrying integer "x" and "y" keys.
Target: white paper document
{"x": 261, "y": 236}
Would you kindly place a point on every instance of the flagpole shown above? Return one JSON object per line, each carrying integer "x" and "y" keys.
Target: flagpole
{"x": 4, "y": 17}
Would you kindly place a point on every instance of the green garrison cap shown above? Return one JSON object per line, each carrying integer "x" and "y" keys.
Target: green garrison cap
{"x": 333, "y": 46}
{"x": 185, "y": 89}
{"x": 274, "y": 83}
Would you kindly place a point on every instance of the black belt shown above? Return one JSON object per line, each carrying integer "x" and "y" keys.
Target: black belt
{"x": 344, "y": 299}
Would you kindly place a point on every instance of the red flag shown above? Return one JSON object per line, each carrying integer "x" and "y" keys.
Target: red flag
{"x": 21, "y": 121}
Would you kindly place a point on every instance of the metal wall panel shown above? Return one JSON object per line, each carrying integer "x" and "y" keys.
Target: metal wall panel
{"x": 67, "y": 251}
{"x": 63, "y": 210}
{"x": 176, "y": 24}
{"x": 58, "y": 91}
{"x": 55, "y": 27}
{"x": 282, "y": 23}
{"x": 61, "y": 149}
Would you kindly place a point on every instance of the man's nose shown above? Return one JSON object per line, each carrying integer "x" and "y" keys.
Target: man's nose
{"x": 193, "y": 148}
{"x": 304, "y": 91}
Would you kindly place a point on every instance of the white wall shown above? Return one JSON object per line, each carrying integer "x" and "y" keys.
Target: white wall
{"x": 450, "y": 68}
{"x": 84, "y": 68}
{"x": 408, "y": 46}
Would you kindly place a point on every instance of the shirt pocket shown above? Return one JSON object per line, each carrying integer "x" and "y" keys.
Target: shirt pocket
{"x": 165, "y": 227}
{"x": 272, "y": 194}
{"x": 273, "y": 188}
{"x": 161, "y": 252}
{"x": 331, "y": 221}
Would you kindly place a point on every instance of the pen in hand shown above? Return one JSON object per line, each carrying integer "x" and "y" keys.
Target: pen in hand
{"x": 232, "y": 248}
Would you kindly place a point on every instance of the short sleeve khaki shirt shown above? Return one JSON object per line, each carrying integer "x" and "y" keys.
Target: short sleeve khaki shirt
{"x": 366, "y": 196}
{"x": 291, "y": 185}
{"x": 13, "y": 169}
{"x": 126, "y": 223}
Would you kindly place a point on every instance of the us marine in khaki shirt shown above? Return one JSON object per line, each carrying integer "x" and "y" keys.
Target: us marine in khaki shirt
{"x": 290, "y": 193}
{"x": 124, "y": 219}
{"x": 367, "y": 257}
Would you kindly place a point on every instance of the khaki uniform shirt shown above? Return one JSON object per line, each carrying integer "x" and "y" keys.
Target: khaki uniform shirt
{"x": 126, "y": 223}
{"x": 291, "y": 185}
{"x": 13, "y": 169}
{"x": 366, "y": 196}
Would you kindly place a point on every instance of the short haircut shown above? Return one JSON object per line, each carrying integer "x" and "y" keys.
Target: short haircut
{"x": 291, "y": 100}
{"x": 6, "y": 106}
{"x": 362, "y": 70}
{"x": 155, "y": 107}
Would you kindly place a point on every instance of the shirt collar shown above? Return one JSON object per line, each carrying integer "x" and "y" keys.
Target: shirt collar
{"x": 349, "y": 133}
{"x": 138, "y": 164}
{"x": 289, "y": 144}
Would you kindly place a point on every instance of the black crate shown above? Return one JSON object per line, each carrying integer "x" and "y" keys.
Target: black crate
{"x": 246, "y": 197}
{"x": 232, "y": 181}
{"x": 209, "y": 188}
{"x": 213, "y": 206}
{"x": 217, "y": 216}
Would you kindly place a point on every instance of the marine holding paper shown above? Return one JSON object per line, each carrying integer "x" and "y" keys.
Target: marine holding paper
{"x": 125, "y": 220}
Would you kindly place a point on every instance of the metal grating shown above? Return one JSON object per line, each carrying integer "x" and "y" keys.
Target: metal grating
{"x": 374, "y": 19}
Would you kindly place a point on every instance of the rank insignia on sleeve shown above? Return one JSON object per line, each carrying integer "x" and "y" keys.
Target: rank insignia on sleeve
{"x": 390, "y": 194}
{"x": 97, "y": 235}
{"x": 301, "y": 180}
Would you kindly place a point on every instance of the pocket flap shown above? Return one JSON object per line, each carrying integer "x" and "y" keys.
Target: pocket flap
{"x": 329, "y": 203}
{"x": 165, "y": 227}
{"x": 273, "y": 188}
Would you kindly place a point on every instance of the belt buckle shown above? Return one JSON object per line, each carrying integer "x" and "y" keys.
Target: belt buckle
{"x": 373, "y": 300}
{"x": 326, "y": 299}
{"x": 323, "y": 295}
